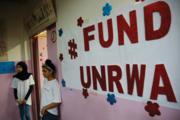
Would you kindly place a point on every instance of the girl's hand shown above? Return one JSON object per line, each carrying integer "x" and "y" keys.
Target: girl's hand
{"x": 43, "y": 110}
{"x": 23, "y": 102}
{"x": 18, "y": 101}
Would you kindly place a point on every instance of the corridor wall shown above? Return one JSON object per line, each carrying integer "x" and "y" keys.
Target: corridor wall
{"x": 119, "y": 59}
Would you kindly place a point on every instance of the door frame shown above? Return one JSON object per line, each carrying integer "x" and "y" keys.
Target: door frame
{"x": 35, "y": 71}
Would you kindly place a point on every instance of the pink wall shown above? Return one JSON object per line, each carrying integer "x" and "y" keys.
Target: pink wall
{"x": 52, "y": 47}
{"x": 9, "y": 110}
{"x": 53, "y": 52}
{"x": 95, "y": 107}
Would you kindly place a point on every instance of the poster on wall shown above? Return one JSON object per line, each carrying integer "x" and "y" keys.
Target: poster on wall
{"x": 7, "y": 67}
{"x": 129, "y": 50}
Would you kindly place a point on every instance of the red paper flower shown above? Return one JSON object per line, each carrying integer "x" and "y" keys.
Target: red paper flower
{"x": 61, "y": 57}
{"x": 152, "y": 109}
{"x": 41, "y": 54}
{"x": 80, "y": 21}
{"x": 85, "y": 93}
{"x": 139, "y": 0}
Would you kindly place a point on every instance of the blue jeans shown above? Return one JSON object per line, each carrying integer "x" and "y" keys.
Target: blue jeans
{"x": 25, "y": 112}
{"x": 49, "y": 116}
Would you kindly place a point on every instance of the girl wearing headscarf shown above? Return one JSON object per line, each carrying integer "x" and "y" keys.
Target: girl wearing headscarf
{"x": 50, "y": 94}
{"x": 22, "y": 84}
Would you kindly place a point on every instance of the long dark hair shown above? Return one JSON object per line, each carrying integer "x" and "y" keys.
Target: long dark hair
{"x": 23, "y": 75}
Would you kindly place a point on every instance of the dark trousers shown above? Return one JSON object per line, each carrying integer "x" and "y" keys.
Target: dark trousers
{"x": 49, "y": 116}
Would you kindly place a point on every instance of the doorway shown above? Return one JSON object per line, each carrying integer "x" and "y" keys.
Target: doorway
{"x": 39, "y": 55}
{"x": 43, "y": 46}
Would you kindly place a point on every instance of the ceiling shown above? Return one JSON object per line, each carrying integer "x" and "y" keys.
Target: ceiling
{"x": 14, "y": 1}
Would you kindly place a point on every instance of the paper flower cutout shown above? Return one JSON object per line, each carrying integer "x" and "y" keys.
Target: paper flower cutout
{"x": 107, "y": 9}
{"x": 111, "y": 98}
{"x": 85, "y": 93}
{"x": 152, "y": 109}
{"x": 139, "y": 0}
{"x": 80, "y": 21}
{"x": 63, "y": 82}
{"x": 41, "y": 54}
{"x": 61, "y": 57}
{"x": 60, "y": 31}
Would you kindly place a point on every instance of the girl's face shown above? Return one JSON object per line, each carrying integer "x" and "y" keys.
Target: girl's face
{"x": 46, "y": 72}
{"x": 19, "y": 69}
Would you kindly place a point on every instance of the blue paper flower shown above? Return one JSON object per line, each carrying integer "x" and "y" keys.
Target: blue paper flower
{"x": 60, "y": 32}
{"x": 107, "y": 9}
{"x": 63, "y": 82}
{"x": 111, "y": 98}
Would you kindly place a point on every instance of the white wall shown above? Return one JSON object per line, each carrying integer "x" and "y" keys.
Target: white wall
{"x": 159, "y": 51}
